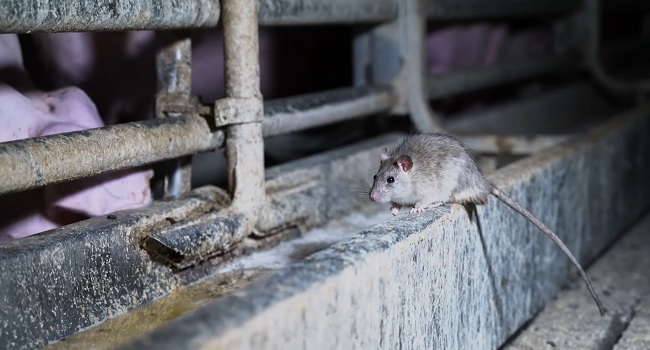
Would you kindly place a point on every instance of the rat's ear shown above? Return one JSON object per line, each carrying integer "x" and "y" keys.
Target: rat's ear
{"x": 384, "y": 154}
{"x": 405, "y": 163}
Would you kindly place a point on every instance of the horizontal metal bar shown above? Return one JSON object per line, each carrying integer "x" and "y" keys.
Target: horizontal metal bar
{"x": 465, "y": 81}
{"x": 311, "y": 110}
{"x": 468, "y": 9}
{"x": 26, "y": 16}
{"x": 293, "y": 12}
{"x": 40, "y": 161}
{"x": 556, "y": 111}
{"x": 511, "y": 144}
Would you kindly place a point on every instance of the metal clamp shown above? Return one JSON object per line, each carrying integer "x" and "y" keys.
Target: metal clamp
{"x": 233, "y": 110}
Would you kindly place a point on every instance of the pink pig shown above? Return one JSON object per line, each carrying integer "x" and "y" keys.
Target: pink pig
{"x": 36, "y": 113}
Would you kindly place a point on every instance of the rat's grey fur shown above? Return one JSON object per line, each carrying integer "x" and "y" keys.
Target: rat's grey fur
{"x": 441, "y": 170}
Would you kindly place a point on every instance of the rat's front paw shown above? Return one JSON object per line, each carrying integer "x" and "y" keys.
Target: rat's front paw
{"x": 395, "y": 209}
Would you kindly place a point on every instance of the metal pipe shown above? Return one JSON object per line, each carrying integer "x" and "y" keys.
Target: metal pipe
{"x": 311, "y": 110}
{"x": 39, "y": 161}
{"x": 185, "y": 243}
{"x": 473, "y": 9}
{"x": 464, "y": 81}
{"x": 174, "y": 73}
{"x": 30, "y": 160}
{"x": 244, "y": 143}
{"x": 592, "y": 13}
{"x": 413, "y": 27}
{"x": 295, "y": 12}
{"x": 511, "y": 144}
{"x": 28, "y": 16}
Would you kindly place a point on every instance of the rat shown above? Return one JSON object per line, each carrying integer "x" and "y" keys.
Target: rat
{"x": 430, "y": 170}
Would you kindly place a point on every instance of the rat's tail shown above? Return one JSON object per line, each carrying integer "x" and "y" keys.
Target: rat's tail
{"x": 525, "y": 213}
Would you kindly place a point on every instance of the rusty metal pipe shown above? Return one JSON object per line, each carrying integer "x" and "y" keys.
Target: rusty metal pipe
{"x": 185, "y": 243}
{"x": 302, "y": 12}
{"x": 477, "y": 9}
{"x": 31, "y": 163}
{"x": 244, "y": 143}
{"x": 322, "y": 108}
{"x": 174, "y": 74}
{"x": 28, "y": 16}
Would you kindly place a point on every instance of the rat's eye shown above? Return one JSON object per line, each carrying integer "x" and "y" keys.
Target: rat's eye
{"x": 374, "y": 177}
{"x": 390, "y": 180}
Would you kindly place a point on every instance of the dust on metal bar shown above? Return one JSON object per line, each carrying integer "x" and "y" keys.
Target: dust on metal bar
{"x": 28, "y": 16}
{"x": 294, "y": 12}
{"x": 468, "y": 9}
{"x": 311, "y": 110}
{"x": 44, "y": 160}
{"x": 464, "y": 81}
{"x": 174, "y": 80}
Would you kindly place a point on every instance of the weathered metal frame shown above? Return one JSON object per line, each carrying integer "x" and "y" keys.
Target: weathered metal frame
{"x": 218, "y": 222}
{"x": 408, "y": 80}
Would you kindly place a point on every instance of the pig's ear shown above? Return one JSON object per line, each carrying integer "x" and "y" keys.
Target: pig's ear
{"x": 404, "y": 162}
{"x": 384, "y": 154}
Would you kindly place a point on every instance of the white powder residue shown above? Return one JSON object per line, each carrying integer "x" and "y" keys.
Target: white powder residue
{"x": 314, "y": 240}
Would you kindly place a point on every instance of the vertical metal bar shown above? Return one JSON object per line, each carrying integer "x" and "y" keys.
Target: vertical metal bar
{"x": 185, "y": 243}
{"x": 174, "y": 72}
{"x": 413, "y": 24}
{"x": 592, "y": 15}
{"x": 244, "y": 143}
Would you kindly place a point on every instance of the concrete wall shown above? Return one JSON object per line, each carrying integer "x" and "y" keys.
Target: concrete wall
{"x": 437, "y": 280}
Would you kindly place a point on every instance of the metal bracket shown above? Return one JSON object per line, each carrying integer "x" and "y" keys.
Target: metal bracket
{"x": 238, "y": 110}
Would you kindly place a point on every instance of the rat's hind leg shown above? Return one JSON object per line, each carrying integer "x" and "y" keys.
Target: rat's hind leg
{"x": 394, "y": 209}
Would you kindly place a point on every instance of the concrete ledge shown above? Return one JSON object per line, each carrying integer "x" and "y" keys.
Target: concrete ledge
{"x": 62, "y": 281}
{"x": 435, "y": 280}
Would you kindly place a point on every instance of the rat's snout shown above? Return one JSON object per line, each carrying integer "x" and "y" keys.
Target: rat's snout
{"x": 373, "y": 195}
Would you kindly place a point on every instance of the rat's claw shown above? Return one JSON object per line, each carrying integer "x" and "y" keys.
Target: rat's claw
{"x": 395, "y": 209}
{"x": 417, "y": 210}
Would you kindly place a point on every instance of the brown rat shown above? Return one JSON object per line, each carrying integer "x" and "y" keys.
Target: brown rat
{"x": 429, "y": 170}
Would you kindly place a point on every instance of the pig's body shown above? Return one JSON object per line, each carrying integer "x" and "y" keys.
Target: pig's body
{"x": 31, "y": 113}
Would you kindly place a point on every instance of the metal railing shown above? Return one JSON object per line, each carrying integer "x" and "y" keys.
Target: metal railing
{"x": 184, "y": 126}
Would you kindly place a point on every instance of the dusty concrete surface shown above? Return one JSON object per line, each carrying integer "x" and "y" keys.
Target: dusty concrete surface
{"x": 65, "y": 280}
{"x": 621, "y": 276}
{"x": 438, "y": 280}
{"x": 121, "y": 329}
{"x": 637, "y": 334}
{"x": 230, "y": 277}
